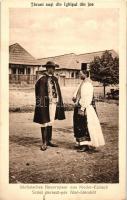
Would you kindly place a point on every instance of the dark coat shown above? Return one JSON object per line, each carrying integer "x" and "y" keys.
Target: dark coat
{"x": 41, "y": 114}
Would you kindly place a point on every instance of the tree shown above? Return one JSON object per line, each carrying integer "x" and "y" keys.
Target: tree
{"x": 105, "y": 69}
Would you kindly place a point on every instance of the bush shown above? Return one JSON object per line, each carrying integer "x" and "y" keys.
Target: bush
{"x": 113, "y": 94}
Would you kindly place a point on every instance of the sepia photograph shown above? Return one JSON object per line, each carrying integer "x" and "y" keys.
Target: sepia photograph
{"x": 63, "y": 95}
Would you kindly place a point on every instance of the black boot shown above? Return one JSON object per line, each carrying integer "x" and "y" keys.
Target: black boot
{"x": 44, "y": 138}
{"x": 49, "y": 133}
{"x": 49, "y": 137}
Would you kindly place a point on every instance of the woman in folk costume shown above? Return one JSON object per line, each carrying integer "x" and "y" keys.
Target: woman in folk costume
{"x": 49, "y": 104}
{"x": 87, "y": 129}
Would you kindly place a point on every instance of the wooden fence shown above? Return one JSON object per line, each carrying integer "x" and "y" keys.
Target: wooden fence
{"x": 20, "y": 78}
{"x": 31, "y": 79}
{"x": 68, "y": 81}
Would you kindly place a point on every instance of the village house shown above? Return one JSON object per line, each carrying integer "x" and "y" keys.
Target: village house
{"x": 70, "y": 65}
{"x": 23, "y": 67}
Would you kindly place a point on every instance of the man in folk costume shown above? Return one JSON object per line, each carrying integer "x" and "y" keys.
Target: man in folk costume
{"x": 49, "y": 104}
{"x": 87, "y": 129}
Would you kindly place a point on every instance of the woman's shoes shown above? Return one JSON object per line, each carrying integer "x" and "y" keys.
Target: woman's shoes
{"x": 83, "y": 148}
{"x": 76, "y": 146}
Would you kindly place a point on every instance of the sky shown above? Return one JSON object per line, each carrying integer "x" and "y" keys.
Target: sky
{"x": 46, "y": 32}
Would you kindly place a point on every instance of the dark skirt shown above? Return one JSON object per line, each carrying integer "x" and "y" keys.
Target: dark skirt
{"x": 81, "y": 132}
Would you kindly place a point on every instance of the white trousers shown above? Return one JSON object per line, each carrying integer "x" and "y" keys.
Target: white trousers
{"x": 52, "y": 112}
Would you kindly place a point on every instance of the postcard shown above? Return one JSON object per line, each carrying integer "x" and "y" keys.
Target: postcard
{"x": 63, "y": 100}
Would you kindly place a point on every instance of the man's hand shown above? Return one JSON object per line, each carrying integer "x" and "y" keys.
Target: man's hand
{"x": 74, "y": 99}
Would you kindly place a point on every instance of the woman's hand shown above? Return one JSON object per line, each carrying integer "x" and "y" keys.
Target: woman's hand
{"x": 80, "y": 112}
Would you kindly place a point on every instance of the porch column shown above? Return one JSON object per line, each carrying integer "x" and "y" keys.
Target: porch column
{"x": 17, "y": 71}
{"x": 74, "y": 74}
{"x": 25, "y": 71}
{"x": 70, "y": 74}
{"x": 10, "y": 71}
{"x": 33, "y": 71}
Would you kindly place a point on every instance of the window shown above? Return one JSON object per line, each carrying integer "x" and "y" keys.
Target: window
{"x": 28, "y": 70}
{"x": 72, "y": 75}
{"x": 21, "y": 71}
{"x": 13, "y": 70}
{"x": 77, "y": 74}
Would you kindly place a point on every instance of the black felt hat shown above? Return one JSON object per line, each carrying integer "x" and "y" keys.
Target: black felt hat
{"x": 50, "y": 64}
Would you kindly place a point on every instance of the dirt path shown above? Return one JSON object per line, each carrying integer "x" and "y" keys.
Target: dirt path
{"x": 63, "y": 164}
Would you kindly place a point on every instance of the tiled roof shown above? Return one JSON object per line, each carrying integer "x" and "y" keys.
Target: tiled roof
{"x": 88, "y": 57}
{"x": 64, "y": 61}
{"x": 73, "y": 61}
{"x": 18, "y": 55}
